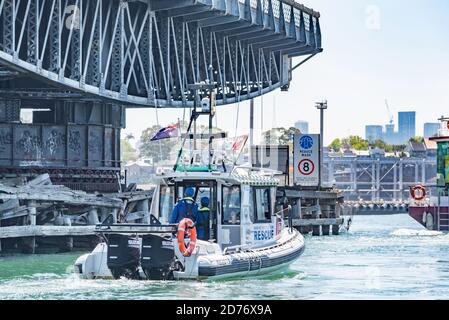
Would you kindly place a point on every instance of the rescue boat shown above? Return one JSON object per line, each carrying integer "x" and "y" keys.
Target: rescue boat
{"x": 248, "y": 234}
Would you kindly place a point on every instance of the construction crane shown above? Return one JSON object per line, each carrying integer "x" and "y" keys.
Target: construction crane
{"x": 389, "y": 112}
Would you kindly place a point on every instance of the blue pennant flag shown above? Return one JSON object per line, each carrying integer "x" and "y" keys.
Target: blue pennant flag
{"x": 171, "y": 131}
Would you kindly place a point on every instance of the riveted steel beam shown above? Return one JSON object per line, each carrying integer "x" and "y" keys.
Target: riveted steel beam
{"x": 146, "y": 53}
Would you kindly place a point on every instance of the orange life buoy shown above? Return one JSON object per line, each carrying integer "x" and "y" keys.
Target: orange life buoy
{"x": 418, "y": 192}
{"x": 186, "y": 227}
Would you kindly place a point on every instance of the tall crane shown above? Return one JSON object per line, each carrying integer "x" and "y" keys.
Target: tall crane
{"x": 389, "y": 112}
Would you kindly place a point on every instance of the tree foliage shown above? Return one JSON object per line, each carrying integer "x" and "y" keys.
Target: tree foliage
{"x": 158, "y": 150}
{"x": 128, "y": 153}
{"x": 336, "y": 144}
{"x": 129, "y": 136}
{"x": 279, "y": 136}
{"x": 356, "y": 143}
{"x": 416, "y": 139}
{"x": 395, "y": 148}
{"x": 379, "y": 144}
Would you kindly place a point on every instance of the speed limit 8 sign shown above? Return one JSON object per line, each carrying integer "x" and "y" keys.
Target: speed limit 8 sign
{"x": 306, "y": 159}
{"x": 306, "y": 167}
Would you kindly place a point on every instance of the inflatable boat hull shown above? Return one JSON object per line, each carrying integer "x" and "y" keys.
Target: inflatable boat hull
{"x": 208, "y": 262}
{"x": 287, "y": 249}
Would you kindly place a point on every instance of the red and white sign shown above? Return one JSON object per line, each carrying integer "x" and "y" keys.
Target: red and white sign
{"x": 306, "y": 167}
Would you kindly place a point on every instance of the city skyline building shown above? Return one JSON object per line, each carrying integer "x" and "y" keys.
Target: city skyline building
{"x": 406, "y": 129}
{"x": 430, "y": 129}
{"x": 373, "y": 133}
{"x": 303, "y": 126}
{"x": 406, "y": 126}
{"x": 390, "y": 135}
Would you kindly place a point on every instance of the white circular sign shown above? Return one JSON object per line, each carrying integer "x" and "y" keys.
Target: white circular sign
{"x": 306, "y": 167}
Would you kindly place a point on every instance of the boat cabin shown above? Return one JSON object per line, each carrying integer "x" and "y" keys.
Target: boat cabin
{"x": 242, "y": 203}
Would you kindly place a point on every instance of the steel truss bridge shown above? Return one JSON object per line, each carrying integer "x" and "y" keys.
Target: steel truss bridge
{"x": 145, "y": 53}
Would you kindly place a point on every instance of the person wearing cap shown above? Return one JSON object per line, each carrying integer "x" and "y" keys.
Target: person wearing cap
{"x": 202, "y": 220}
{"x": 185, "y": 208}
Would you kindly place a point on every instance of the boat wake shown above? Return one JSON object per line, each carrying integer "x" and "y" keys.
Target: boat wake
{"x": 286, "y": 274}
{"x": 416, "y": 233}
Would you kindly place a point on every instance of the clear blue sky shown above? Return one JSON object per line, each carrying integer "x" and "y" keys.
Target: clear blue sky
{"x": 394, "y": 49}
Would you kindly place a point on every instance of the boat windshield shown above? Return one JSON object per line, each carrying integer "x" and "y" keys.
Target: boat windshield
{"x": 231, "y": 205}
{"x": 260, "y": 211}
{"x": 166, "y": 203}
{"x": 203, "y": 192}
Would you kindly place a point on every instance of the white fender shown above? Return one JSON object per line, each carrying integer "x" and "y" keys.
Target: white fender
{"x": 429, "y": 221}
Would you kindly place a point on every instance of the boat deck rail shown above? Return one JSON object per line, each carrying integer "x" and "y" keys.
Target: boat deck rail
{"x": 129, "y": 228}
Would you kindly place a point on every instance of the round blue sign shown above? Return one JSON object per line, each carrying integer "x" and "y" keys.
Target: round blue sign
{"x": 306, "y": 142}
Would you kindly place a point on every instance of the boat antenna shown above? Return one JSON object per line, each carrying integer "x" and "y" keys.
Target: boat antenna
{"x": 274, "y": 111}
{"x": 261, "y": 131}
{"x": 158, "y": 125}
{"x": 194, "y": 116}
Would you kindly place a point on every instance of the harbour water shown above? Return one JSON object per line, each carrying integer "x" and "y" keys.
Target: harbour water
{"x": 382, "y": 257}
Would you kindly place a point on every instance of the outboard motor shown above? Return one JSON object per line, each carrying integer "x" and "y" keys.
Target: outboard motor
{"x": 123, "y": 256}
{"x": 158, "y": 257}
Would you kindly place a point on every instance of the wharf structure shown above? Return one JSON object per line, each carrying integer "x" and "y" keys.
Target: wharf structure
{"x": 377, "y": 177}
{"x": 318, "y": 209}
{"x": 78, "y": 64}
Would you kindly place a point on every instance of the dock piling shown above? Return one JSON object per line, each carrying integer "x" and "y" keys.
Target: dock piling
{"x": 326, "y": 214}
{"x": 115, "y": 213}
{"x": 143, "y": 206}
{"x": 316, "y": 231}
{"x": 104, "y": 213}
{"x": 93, "y": 216}
{"x": 32, "y": 212}
{"x": 335, "y": 230}
{"x": 66, "y": 244}
{"x": 28, "y": 245}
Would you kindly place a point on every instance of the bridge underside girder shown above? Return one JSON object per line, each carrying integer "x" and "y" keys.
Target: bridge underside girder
{"x": 145, "y": 53}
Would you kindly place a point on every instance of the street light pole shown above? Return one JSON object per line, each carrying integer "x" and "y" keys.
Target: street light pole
{"x": 321, "y": 106}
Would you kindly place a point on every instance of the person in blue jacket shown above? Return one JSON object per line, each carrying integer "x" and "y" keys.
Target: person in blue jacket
{"x": 202, "y": 220}
{"x": 185, "y": 208}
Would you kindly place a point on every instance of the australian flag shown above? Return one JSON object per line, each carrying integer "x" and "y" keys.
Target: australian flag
{"x": 171, "y": 131}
